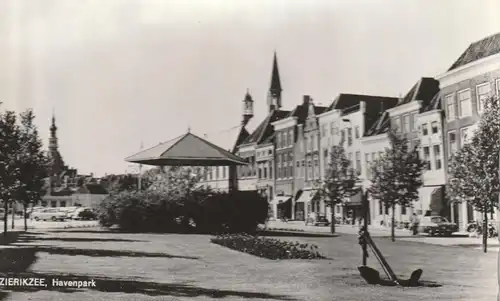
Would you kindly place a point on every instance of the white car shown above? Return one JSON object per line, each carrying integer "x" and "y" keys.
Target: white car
{"x": 52, "y": 214}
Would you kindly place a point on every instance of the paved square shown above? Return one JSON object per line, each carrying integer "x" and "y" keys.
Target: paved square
{"x": 189, "y": 267}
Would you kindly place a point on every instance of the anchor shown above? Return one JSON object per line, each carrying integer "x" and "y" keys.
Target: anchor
{"x": 372, "y": 276}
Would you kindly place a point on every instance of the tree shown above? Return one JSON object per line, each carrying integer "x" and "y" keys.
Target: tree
{"x": 9, "y": 146}
{"x": 397, "y": 175}
{"x": 339, "y": 182}
{"x": 474, "y": 168}
{"x": 32, "y": 163}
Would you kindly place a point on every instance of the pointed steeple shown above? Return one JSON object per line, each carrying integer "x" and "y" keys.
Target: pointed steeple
{"x": 275, "y": 77}
{"x": 274, "y": 95}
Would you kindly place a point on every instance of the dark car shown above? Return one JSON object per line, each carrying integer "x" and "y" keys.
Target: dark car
{"x": 322, "y": 221}
{"x": 437, "y": 226}
{"x": 87, "y": 214}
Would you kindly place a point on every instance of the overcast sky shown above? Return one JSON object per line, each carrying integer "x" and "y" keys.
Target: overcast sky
{"x": 119, "y": 72}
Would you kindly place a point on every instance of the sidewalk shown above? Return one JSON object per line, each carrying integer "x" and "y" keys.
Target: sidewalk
{"x": 378, "y": 231}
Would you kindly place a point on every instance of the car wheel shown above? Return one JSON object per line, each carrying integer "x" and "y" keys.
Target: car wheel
{"x": 36, "y": 218}
{"x": 54, "y": 218}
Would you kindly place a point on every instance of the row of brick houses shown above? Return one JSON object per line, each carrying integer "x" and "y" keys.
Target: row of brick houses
{"x": 289, "y": 150}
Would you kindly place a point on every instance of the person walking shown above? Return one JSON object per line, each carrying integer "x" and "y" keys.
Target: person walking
{"x": 414, "y": 223}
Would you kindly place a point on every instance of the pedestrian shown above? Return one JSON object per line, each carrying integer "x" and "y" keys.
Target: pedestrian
{"x": 414, "y": 223}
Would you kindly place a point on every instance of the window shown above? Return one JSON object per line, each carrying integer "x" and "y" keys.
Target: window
{"x": 437, "y": 156}
{"x": 464, "y": 135}
{"x": 323, "y": 130}
{"x": 305, "y": 143}
{"x": 298, "y": 164}
{"x": 397, "y": 124}
{"x": 217, "y": 172}
{"x": 406, "y": 123}
{"x": 450, "y": 107}
{"x": 427, "y": 157}
{"x": 265, "y": 172}
{"x": 368, "y": 167}
{"x": 342, "y": 136}
{"x": 425, "y": 130}
{"x": 403, "y": 210}
{"x": 464, "y": 103}
{"x": 332, "y": 128}
{"x": 290, "y": 138}
{"x": 358, "y": 162}
{"x": 278, "y": 140}
{"x": 413, "y": 121}
{"x": 349, "y": 136}
{"x": 259, "y": 175}
{"x": 483, "y": 92}
{"x": 53, "y": 203}
{"x": 434, "y": 127}
{"x": 356, "y": 131}
{"x": 271, "y": 171}
{"x": 309, "y": 169}
{"x": 62, "y": 204}
{"x": 452, "y": 143}
{"x": 285, "y": 139}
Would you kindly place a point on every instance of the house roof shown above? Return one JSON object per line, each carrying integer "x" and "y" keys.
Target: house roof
{"x": 424, "y": 90}
{"x": 301, "y": 111}
{"x": 265, "y": 128}
{"x": 380, "y": 126}
{"x": 478, "y": 50}
{"x": 343, "y": 101}
{"x": 186, "y": 150}
{"x": 434, "y": 104}
{"x": 93, "y": 189}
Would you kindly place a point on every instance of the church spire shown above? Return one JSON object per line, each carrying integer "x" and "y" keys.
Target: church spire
{"x": 274, "y": 95}
{"x": 56, "y": 161}
{"x": 247, "y": 108}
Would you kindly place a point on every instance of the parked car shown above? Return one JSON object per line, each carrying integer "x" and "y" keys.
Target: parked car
{"x": 52, "y": 214}
{"x": 83, "y": 213}
{"x": 322, "y": 221}
{"x": 437, "y": 225}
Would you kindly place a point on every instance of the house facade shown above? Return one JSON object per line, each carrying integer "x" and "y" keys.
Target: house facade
{"x": 472, "y": 78}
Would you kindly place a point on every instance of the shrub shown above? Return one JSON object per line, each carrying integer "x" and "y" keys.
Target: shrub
{"x": 267, "y": 247}
{"x": 179, "y": 209}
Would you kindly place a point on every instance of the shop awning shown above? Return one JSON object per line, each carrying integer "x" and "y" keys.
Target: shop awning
{"x": 355, "y": 200}
{"x": 307, "y": 196}
{"x": 280, "y": 199}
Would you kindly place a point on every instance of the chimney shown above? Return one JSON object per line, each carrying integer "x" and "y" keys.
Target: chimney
{"x": 307, "y": 99}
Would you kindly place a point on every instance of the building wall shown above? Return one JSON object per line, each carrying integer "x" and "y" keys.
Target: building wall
{"x": 459, "y": 126}
{"x": 285, "y": 161}
{"x": 265, "y": 169}
{"x": 431, "y": 147}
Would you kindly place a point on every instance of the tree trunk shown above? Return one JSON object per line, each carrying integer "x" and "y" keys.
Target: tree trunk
{"x": 332, "y": 225}
{"x": 6, "y": 207}
{"x": 25, "y": 218}
{"x": 393, "y": 233}
{"x": 485, "y": 231}
{"x": 13, "y": 213}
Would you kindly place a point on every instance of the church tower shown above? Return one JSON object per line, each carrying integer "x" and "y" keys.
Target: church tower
{"x": 247, "y": 108}
{"x": 274, "y": 94}
{"x": 55, "y": 160}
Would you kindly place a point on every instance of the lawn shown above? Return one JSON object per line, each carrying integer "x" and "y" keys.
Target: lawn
{"x": 189, "y": 267}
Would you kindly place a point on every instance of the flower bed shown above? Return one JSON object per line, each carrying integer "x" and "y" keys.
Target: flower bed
{"x": 286, "y": 229}
{"x": 269, "y": 248}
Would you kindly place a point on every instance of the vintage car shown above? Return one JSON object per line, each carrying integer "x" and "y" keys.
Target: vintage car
{"x": 436, "y": 226}
{"x": 53, "y": 214}
{"x": 322, "y": 221}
